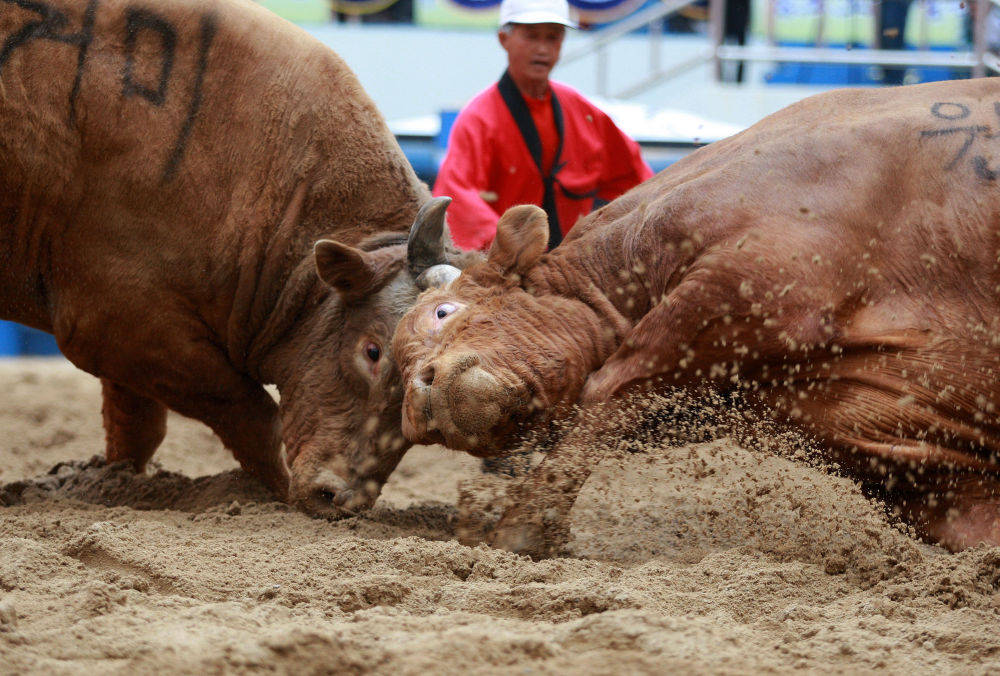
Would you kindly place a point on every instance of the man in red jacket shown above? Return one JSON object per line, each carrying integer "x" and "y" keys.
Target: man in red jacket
{"x": 527, "y": 140}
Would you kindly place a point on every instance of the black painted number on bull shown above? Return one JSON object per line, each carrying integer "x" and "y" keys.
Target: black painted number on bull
{"x": 206, "y": 35}
{"x": 953, "y": 112}
{"x": 137, "y": 21}
{"x": 51, "y": 25}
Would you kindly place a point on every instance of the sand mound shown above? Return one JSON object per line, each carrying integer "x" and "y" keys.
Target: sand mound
{"x": 114, "y": 485}
{"x": 707, "y": 556}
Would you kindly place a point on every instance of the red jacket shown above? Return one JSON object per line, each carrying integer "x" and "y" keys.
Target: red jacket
{"x": 488, "y": 167}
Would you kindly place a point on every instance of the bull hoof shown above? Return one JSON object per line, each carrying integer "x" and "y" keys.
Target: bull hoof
{"x": 481, "y": 503}
{"x": 280, "y": 487}
{"x": 530, "y": 538}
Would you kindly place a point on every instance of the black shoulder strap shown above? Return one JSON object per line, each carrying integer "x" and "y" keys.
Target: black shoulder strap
{"x": 522, "y": 117}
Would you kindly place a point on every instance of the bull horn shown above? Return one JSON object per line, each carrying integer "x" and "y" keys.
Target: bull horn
{"x": 425, "y": 245}
{"x": 437, "y": 275}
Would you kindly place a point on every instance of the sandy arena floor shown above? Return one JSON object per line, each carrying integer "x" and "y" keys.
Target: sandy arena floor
{"x": 706, "y": 558}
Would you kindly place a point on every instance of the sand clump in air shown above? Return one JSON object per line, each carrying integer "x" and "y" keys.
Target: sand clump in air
{"x": 700, "y": 554}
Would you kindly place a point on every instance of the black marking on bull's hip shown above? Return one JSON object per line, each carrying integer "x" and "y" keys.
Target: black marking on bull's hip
{"x": 979, "y": 163}
{"x": 960, "y": 112}
{"x": 50, "y": 27}
{"x": 982, "y": 169}
{"x": 136, "y": 21}
{"x": 206, "y": 36}
{"x": 971, "y": 132}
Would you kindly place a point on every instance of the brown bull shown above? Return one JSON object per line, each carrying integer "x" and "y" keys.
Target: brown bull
{"x": 838, "y": 262}
{"x": 165, "y": 171}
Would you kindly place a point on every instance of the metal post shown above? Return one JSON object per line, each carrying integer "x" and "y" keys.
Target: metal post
{"x": 924, "y": 41}
{"x": 979, "y": 37}
{"x": 655, "y": 37}
{"x": 821, "y": 25}
{"x": 876, "y": 24}
{"x": 716, "y": 17}
{"x": 771, "y": 12}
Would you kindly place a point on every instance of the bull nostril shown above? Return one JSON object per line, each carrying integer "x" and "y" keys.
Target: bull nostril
{"x": 426, "y": 376}
{"x": 337, "y": 498}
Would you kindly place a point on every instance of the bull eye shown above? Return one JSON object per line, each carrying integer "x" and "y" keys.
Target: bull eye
{"x": 373, "y": 352}
{"x": 444, "y": 309}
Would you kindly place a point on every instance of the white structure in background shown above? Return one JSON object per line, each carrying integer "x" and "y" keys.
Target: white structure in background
{"x": 635, "y": 119}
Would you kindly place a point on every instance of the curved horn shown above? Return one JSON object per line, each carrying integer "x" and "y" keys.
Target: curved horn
{"x": 425, "y": 245}
{"x": 437, "y": 275}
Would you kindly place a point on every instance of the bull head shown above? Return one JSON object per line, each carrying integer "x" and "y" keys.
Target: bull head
{"x": 342, "y": 454}
{"x": 496, "y": 352}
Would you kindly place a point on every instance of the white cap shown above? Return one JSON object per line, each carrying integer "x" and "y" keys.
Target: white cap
{"x": 535, "y": 11}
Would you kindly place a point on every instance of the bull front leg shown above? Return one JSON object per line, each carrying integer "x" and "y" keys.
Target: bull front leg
{"x": 245, "y": 418}
{"x": 536, "y": 522}
{"x": 687, "y": 337}
{"x": 168, "y": 361}
{"x": 134, "y": 425}
{"x": 249, "y": 426}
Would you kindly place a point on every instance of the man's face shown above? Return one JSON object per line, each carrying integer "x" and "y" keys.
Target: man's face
{"x": 532, "y": 49}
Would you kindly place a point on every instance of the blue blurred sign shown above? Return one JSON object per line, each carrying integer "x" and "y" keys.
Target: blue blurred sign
{"x": 596, "y": 12}
{"x": 477, "y": 4}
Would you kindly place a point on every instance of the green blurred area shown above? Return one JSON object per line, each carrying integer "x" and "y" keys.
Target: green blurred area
{"x": 300, "y": 11}
{"x": 446, "y": 14}
{"x": 934, "y": 22}
{"x": 437, "y": 13}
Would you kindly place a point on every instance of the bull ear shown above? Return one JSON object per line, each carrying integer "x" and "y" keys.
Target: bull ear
{"x": 522, "y": 238}
{"x": 426, "y": 243}
{"x": 352, "y": 272}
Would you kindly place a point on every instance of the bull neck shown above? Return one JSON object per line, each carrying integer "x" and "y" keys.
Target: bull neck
{"x": 585, "y": 267}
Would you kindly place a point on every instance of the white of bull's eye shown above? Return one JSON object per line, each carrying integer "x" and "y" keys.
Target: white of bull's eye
{"x": 444, "y": 309}
{"x": 373, "y": 351}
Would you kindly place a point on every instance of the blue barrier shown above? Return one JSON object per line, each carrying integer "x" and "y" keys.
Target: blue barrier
{"x": 844, "y": 74}
{"x": 10, "y": 339}
{"x": 18, "y": 340}
{"x": 447, "y": 118}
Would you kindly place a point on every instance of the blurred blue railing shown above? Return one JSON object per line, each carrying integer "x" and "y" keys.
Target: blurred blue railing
{"x": 18, "y": 340}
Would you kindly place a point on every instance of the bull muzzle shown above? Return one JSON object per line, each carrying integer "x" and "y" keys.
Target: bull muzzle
{"x": 329, "y": 496}
{"x": 455, "y": 397}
